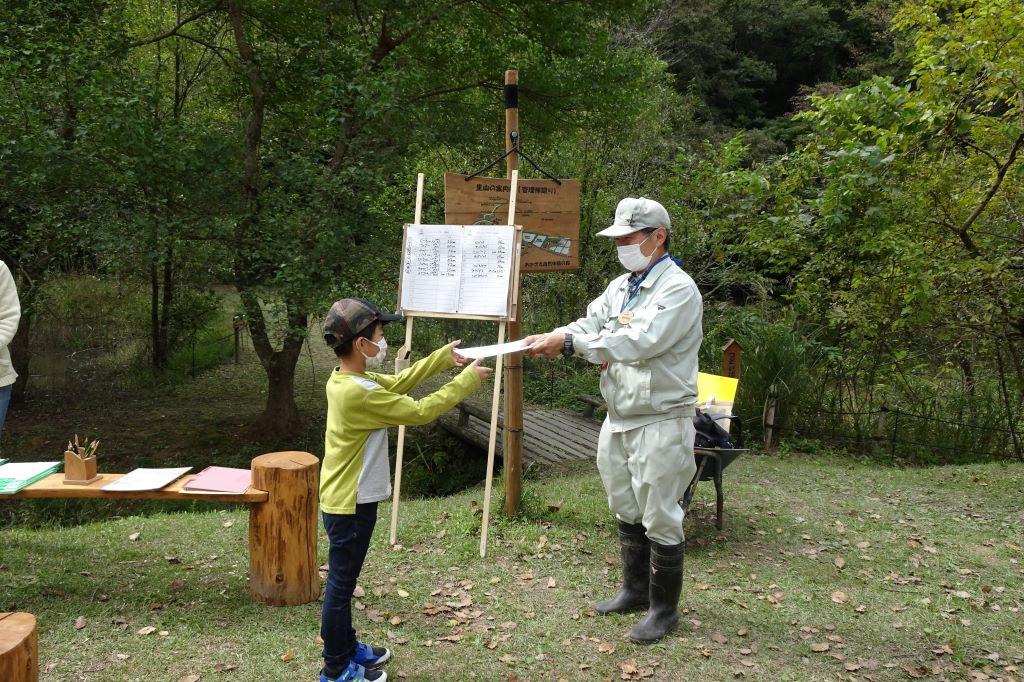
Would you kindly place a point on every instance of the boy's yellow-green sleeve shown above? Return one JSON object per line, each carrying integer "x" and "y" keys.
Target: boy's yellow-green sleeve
{"x": 386, "y": 408}
{"x": 421, "y": 370}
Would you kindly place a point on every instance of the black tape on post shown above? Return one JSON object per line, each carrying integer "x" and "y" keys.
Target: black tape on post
{"x": 512, "y": 96}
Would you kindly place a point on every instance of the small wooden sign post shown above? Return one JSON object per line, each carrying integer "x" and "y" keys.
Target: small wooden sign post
{"x": 731, "y": 359}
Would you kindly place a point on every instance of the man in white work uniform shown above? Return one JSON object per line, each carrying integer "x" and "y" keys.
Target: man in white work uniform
{"x": 644, "y": 331}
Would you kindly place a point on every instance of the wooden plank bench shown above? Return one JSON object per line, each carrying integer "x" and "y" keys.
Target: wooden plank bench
{"x": 19, "y": 648}
{"x": 549, "y": 436}
{"x": 283, "y": 527}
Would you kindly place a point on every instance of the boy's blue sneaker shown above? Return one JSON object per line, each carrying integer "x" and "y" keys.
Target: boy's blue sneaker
{"x": 354, "y": 673}
{"x": 371, "y": 657}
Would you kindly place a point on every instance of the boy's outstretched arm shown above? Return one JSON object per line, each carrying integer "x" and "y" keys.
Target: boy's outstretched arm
{"x": 382, "y": 407}
{"x": 441, "y": 359}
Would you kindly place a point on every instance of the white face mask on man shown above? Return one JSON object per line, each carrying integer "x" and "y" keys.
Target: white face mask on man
{"x": 632, "y": 258}
{"x": 378, "y": 359}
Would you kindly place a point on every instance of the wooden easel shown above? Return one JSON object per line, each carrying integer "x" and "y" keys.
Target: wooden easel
{"x": 402, "y": 361}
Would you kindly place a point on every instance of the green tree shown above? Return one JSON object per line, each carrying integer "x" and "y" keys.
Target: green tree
{"x": 897, "y": 223}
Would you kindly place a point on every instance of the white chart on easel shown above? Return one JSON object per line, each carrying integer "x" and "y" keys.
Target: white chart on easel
{"x": 457, "y": 269}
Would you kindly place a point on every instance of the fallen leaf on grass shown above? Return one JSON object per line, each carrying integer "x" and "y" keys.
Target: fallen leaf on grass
{"x": 820, "y": 647}
{"x": 913, "y": 670}
{"x": 747, "y": 662}
{"x": 840, "y": 562}
{"x": 840, "y": 597}
{"x": 403, "y": 594}
{"x": 742, "y": 632}
{"x": 79, "y": 622}
{"x": 396, "y": 620}
{"x": 189, "y": 678}
{"x": 288, "y": 656}
{"x": 719, "y": 638}
{"x": 148, "y": 630}
{"x": 134, "y": 536}
{"x": 606, "y": 648}
{"x": 178, "y": 585}
{"x": 224, "y": 667}
{"x": 228, "y": 524}
{"x": 552, "y": 582}
{"x": 359, "y": 592}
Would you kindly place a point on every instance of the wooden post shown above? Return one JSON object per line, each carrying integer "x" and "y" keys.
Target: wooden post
{"x": 513, "y": 444}
{"x": 402, "y": 362}
{"x": 731, "y": 359}
{"x": 768, "y": 419}
{"x": 237, "y": 324}
{"x": 19, "y": 648}
{"x": 283, "y": 530}
{"x": 879, "y": 434}
{"x": 492, "y": 443}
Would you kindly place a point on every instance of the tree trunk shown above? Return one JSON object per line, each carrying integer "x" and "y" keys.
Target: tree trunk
{"x": 280, "y": 415}
{"x": 154, "y": 316}
{"x": 165, "y": 309}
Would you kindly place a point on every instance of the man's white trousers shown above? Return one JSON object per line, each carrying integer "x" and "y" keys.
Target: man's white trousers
{"x": 645, "y": 473}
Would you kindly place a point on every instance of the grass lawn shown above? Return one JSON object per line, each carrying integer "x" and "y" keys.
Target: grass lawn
{"x": 827, "y": 569}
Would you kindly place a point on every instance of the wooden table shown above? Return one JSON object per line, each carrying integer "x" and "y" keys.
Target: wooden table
{"x": 283, "y": 527}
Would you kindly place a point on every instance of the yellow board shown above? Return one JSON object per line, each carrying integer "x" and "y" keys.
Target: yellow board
{"x": 721, "y": 390}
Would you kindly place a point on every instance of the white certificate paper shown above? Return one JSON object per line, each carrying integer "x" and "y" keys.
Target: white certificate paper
{"x": 493, "y": 350}
{"x": 146, "y": 479}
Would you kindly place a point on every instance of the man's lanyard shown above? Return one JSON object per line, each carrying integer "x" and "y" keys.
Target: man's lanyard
{"x": 633, "y": 289}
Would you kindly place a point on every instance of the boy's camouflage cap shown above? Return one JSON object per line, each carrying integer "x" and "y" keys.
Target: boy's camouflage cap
{"x": 349, "y": 316}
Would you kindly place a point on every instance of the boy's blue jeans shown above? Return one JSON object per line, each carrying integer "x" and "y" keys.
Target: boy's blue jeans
{"x": 349, "y": 538}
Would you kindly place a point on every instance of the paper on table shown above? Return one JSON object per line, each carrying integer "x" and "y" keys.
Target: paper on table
{"x": 492, "y": 350}
{"x": 146, "y": 479}
{"x": 217, "y": 479}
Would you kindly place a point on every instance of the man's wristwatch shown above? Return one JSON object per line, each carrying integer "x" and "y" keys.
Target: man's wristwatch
{"x": 567, "y": 347}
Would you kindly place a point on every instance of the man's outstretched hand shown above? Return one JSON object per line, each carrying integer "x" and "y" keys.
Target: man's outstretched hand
{"x": 545, "y": 345}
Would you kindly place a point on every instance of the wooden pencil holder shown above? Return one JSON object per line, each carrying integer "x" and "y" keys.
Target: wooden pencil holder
{"x": 79, "y": 470}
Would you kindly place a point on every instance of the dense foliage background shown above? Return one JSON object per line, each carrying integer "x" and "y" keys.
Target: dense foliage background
{"x": 844, "y": 180}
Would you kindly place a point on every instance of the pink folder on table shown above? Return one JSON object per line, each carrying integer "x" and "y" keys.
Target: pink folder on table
{"x": 220, "y": 480}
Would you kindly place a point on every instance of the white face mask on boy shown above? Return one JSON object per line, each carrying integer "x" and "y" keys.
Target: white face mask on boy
{"x": 632, "y": 258}
{"x": 378, "y": 359}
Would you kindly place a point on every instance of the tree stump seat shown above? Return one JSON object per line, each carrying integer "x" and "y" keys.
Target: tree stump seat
{"x": 19, "y": 648}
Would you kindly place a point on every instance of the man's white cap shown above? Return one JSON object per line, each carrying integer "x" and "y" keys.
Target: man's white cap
{"x": 637, "y": 214}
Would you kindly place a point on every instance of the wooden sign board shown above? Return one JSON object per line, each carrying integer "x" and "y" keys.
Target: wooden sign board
{"x": 549, "y": 213}
{"x": 731, "y": 359}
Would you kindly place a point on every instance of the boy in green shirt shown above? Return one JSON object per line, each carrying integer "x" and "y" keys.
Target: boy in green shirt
{"x": 355, "y": 476}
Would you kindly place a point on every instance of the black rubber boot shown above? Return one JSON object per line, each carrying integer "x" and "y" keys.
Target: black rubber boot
{"x": 636, "y": 571}
{"x": 666, "y": 585}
